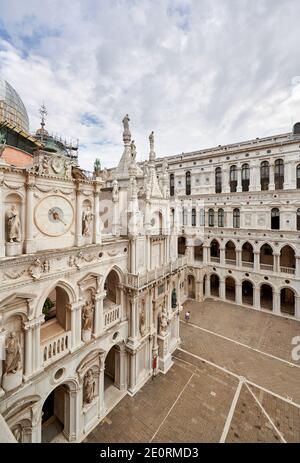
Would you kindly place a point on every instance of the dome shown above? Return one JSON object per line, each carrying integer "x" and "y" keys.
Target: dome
{"x": 12, "y": 108}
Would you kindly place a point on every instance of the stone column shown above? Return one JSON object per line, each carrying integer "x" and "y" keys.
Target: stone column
{"x": 199, "y": 290}
{"x": 72, "y": 426}
{"x": 238, "y": 257}
{"x": 120, "y": 368}
{"x": 297, "y": 306}
{"x": 98, "y": 316}
{"x": 239, "y": 180}
{"x": 293, "y": 180}
{"x": 101, "y": 403}
{"x": 133, "y": 318}
{"x": 276, "y": 302}
{"x": 256, "y": 297}
{"x": 297, "y": 269}
{"x": 2, "y": 218}
{"x": 27, "y": 361}
{"x": 254, "y": 182}
{"x": 276, "y": 262}
{"x": 271, "y": 176}
{"x": 132, "y": 256}
{"x": 132, "y": 375}
{"x": 256, "y": 261}
{"x": 222, "y": 256}
{"x": 222, "y": 289}
{"x": 225, "y": 180}
{"x": 96, "y": 231}
{"x": 75, "y": 310}
{"x": 36, "y": 339}
{"x": 78, "y": 230}
{"x": 288, "y": 165}
{"x": 207, "y": 286}
{"x": 30, "y": 244}
{"x": 238, "y": 293}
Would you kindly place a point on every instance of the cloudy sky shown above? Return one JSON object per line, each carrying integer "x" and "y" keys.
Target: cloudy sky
{"x": 198, "y": 72}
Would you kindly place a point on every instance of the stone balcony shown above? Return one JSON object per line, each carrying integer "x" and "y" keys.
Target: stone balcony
{"x": 140, "y": 280}
{"x": 55, "y": 342}
{"x": 111, "y": 315}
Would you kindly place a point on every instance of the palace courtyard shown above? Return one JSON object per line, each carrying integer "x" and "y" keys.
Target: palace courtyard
{"x": 233, "y": 380}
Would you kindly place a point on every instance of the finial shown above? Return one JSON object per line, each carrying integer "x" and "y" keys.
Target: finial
{"x": 43, "y": 114}
{"x": 152, "y": 152}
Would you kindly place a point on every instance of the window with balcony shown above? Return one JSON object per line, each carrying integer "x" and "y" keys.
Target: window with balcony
{"x": 264, "y": 175}
{"x": 193, "y": 217}
{"x": 279, "y": 174}
{"x": 188, "y": 183}
{"x": 233, "y": 179}
{"x": 245, "y": 177}
{"x": 236, "y": 218}
{"x": 172, "y": 189}
{"x": 275, "y": 219}
{"x": 211, "y": 218}
{"x": 221, "y": 218}
{"x": 218, "y": 180}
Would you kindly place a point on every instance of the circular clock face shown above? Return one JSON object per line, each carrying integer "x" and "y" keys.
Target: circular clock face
{"x": 54, "y": 215}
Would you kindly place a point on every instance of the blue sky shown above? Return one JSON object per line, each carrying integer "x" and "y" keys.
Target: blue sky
{"x": 198, "y": 72}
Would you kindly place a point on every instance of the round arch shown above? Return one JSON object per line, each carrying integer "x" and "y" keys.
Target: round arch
{"x": 247, "y": 291}
{"x": 288, "y": 300}
{"x": 230, "y": 284}
{"x": 266, "y": 291}
{"x": 66, "y": 286}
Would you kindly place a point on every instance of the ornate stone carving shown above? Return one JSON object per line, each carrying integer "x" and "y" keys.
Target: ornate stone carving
{"x": 87, "y": 316}
{"x": 142, "y": 323}
{"x": 37, "y": 268}
{"x": 115, "y": 191}
{"x": 126, "y": 132}
{"x": 163, "y": 322}
{"x": 89, "y": 384}
{"x": 87, "y": 220}
{"x": 133, "y": 150}
{"x": 14, "y": 224}
{"x": 13, "y": 361}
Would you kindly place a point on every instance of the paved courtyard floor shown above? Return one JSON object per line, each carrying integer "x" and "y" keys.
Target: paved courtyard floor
{"x": 233, "y": 380}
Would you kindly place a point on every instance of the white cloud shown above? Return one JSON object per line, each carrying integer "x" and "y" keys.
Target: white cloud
{"x": 199, "y": 73}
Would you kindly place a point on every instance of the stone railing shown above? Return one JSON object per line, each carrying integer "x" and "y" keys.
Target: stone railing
{"x": 266, "y": 267}
{"x": 55, "y": 348}
{"x": 247, "y": 264}
{"x": 231, "y": 262}
{"x": 215, "y": 259}
{"x": 289, "y": 270}
{"x": 137, "y": 281}
{"x": 111, "y": 316}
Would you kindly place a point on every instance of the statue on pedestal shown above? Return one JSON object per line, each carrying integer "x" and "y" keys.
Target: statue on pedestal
{"x": 13, "y": 354}
{"x": 89, "y": 387}
{"x": 87, "y": 218}
{"x": 14, "y": 225}
{"x": 87, "y": 316}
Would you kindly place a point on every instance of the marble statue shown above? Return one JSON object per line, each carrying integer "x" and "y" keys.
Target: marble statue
{"x": 87, "y": 316}
{"x": 151, "y": 140}
{"x": 164, "y": 167}
{"x": 174, "y": 299}
{"x": 133, "y": 150}
{"x": 89, "y": 387}
{"x": 115, "y": 191}
{"x": 14, "y": 225}
{"x": 87, "y": 218}
{"x": 13, "y": 354}
{"x": 142, "y": 323}
{"x": 126, "y": 123}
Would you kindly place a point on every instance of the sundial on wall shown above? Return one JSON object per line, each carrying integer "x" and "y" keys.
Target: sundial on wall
{"x": 54, "y": 215}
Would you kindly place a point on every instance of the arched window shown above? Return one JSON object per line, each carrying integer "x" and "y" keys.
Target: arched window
{"x": 233, "y": 179}
{"x": 202, "y": 217}
{"x": 218, "y": 180}
{"x": 193, "y": 217}
{"x": 279, "y": 174}
{"x": 298, "y": 175}
{"x": 184, "y": 216}
{"x": 220, "y": 218}
{"x": 275, "y": 219}
{"x": 264, "y": 175}
{"x": 245, "y": 177}
{"x": 172, "y": 185}
{"x": 298, "y": 218}
{"x": 211, "y": 218}
{"x": 188, "y": 183}
{"x": 236, "y": 218}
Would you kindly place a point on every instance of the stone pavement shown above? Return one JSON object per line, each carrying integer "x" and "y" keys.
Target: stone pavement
{"x": 195, "y": 400}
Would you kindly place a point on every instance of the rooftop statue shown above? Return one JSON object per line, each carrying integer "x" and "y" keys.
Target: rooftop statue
{"x": 151, "y": 140}
{"x": 126, "y": 123}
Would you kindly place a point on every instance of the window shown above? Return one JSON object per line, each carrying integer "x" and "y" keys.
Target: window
{"x": 218, "y": 180}
{"x": 184, "y": 216}
{"x": 202, "y": 217}
{"x": 211, "y": 218}
{"x": 279, "y": 174}
{"x": 188, "y": 183}
{"x": 298, "y": 219}
{"x": 275, "y": 219}
{"x": 172, "y": 185}
{"x": 220, "y": 218}
{"x": 264, "y": 175}
{"x": 233, "y": 179}
{"x": 245, "y": 177}
{"x": 193, "y": 217}
{"x": 236, "y": 218}
{"x": 298, "y": 175}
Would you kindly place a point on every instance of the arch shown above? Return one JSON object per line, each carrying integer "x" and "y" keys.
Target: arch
{"x": 114, "y": 373}
{"x": 287, "y": 258}
{"x": 233, "y": 178}
{"x": 266, "y": 257}
{"x": 230, "y": 288}
{"x": 181, "y": 245}
{"x": 264, "y": 175}
{"x": 245, "y": 177}
{"x": 287, "y": 301}
{"x": 266, "y": 296}
{"x": 247, "y": 253}
{"x": 118, "y": 270}
{"x": 275, "y": 218}
{"x": 66, "y": 286}
{"x": 214, "y": 249}
{"x": 218, "y": 180}
{"x": 247, "y": 292}
{"x": 215, "y": 285}
{"x": 111, "y": 286}
{"x": 279, "y": 174}
{"x": 191, "y": 286}
{"x": 230, "y": 252}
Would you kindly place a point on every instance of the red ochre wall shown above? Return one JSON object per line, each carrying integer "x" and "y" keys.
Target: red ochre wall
{"x": 16, "y": 157}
